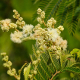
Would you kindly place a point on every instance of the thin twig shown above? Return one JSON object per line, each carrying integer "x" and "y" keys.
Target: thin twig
{"x": 44, "y": 23}
{"x": 55, "y": 74}
{"x": 16, "y": 30}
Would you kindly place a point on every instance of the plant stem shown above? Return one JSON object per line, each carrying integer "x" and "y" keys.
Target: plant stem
{"x": 55, "y": 74}
{"x": 44, "y": 23}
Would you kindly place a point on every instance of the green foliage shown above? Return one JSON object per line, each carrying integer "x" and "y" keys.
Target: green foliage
{"x": 64, "y": 11}
{"x": 75, "y": 51}
{"x": 26, "y": 71}
{"x": 73, "y": 69}
{"x": 51, "y": 66}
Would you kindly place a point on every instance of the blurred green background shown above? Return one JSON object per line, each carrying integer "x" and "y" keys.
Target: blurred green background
{"x": 19, "y": 53}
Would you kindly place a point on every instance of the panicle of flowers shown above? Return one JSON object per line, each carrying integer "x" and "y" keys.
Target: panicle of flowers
{"x": 41, "y": 17}
{"x": 51, "y": 22}
{"x": 7, "y": 24}
{"x": 8, "y": 64}
{"x": 19, "y": 21}
{"x": 47, "y": 38}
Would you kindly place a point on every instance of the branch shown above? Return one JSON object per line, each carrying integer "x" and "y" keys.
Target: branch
{"x": 44, "y": 23}
{"x": 55, "y": 74}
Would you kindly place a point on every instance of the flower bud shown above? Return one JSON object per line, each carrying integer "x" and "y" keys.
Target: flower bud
{"x": 35, "y": 72}
{"x": 3, "y": 54}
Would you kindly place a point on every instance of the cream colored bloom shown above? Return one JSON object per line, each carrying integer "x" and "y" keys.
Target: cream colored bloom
{"x": 39, "y": 20}
{"x": 53, "y": 35}
{"x": 49, "y": 23}
{"x": 9, "y": 72}
{"x": 7, "y": 64}
{"x": 58, "y": 31}
{"x": 61, "y": 28}
{"x": 27, "y": 30}
{"x": 53, "y": 21}
{"x": 58, "y": 41}
{"x": 39, "y": 11}
{"x": 16, "y": 36}
{"x": 64, "y": 44}
{"x": 5, "y": 24}
{"x": 42, "y": 14}
{"x": 12, "y": 25}
{"x": 5, "y": 58}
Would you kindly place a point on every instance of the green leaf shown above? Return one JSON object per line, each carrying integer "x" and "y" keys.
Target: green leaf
{"x": 64, "y": 60}
{"x": 64, "y": 11}
{"x": 26, "y": 71}
{"x": 73, "y": 69}
{"x": 78, "y": 54}
{"x": 74, "y": 51}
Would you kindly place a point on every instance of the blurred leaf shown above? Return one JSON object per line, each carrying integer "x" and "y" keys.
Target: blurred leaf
{"x": 75, "y": 51}
{"x": 26, "y": 71}
{"x": 73, "y": 69}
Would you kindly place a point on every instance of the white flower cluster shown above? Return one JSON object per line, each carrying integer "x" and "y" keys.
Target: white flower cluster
{"x": 47, "y": 38}
{"x": 41, "y": 17}
{"x": 5, "y": 24}
{"x": 51, "y": 22}
{"x": 27, "y": 30}
{"x": 8, "y": 64}
{"x": 52, "y": 34}
{"x": 16, "y": 36}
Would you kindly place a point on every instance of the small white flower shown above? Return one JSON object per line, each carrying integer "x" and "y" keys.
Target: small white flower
{"x": 58, "y": 41}
{"x": 64, "y": 44}
{"x": 58, "y": 31}
{"x": 52, "y": 34}
{"x": 16, "y": 37}
{"x": 27, "y": 30}
{"x": 61, "y": 28}
{"x": 5, "y": 24}
{"x": 49, "y": 23}
{"x": 5, "y": 27}
{"x": 12, "y": 25}
{"x": 39, "y": 20}
{"x": 39, "y": 11}
{"x": 53, "y": 21}
{"x": 42, "y": 14}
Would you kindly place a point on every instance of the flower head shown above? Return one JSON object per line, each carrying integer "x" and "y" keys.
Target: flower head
{"x": 16, "y": 36}
{"x": 5, "y": 24}
{"x": 27, "y": 30}
{"x": 52, "y": 34}
{"x": 39, "y": 11}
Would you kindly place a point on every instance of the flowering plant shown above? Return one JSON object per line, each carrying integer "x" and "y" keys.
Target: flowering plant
{"x": 50, "y": 56}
